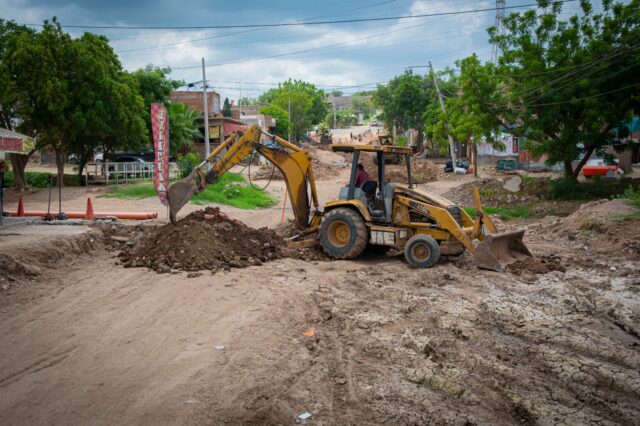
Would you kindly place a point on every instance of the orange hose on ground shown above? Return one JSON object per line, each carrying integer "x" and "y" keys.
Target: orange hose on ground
{"x": 81, "y": 215}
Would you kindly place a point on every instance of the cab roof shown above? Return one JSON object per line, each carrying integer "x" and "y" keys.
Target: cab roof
{"x": 389, "y": 149}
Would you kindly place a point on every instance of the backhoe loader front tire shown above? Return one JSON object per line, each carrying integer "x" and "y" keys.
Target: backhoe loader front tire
{"x": 422, "y": 251}
{"x": 343, "y": 234}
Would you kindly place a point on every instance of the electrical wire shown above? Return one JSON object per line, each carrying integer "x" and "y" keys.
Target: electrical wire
{"x": 292, "y": 24}
{"x": 586, "y": 97}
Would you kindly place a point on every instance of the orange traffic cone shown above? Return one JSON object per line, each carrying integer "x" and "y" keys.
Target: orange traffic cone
{"x": 89, "y": 214}
{"x": 20, "y": 212}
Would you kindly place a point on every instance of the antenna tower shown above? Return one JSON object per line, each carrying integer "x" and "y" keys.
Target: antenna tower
{"x": 499, "y": 28}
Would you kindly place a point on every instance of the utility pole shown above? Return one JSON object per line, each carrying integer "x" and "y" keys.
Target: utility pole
{"x": 289, "y": 120}
{"x": 452, "y": 147}
{"x": 333, "y": 98}
{"x": 240, "y": 100}
{"x": 207, "y": 148}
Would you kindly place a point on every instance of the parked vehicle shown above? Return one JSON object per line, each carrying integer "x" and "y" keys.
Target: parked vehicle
{"x": 599, "y": 167}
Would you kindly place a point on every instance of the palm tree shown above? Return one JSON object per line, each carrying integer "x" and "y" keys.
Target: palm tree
{"x": 183, "y": 127}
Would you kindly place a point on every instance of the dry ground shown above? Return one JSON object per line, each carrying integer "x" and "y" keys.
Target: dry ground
{"x": 86, "y": 341}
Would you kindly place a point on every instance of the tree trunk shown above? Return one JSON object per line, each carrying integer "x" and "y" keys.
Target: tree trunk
{"x": 18, "y": 164}
{"x": 420, "y": 141}
{"x": 82, "y": 163}
{"x": 568, "y": 168}
{"x": 60, "y": 164}
{"x": 474, "y": 153}
{"x": 582, "y": 162}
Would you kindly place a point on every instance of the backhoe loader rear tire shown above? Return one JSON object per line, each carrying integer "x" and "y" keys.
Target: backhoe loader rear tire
{"x": 343, "y": 234}
{"x": 422, "y": 251}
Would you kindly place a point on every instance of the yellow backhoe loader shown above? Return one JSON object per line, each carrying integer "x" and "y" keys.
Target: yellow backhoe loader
{"x": 380, "y": 213}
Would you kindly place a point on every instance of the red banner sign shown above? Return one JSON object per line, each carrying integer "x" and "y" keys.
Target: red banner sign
{"x": 11, "y": 144}
{"x": 160, "y": 126}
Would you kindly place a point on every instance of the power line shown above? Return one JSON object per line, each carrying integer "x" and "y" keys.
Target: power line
{"x": 295, "y": 24}
{"x": 243, "y": 32}
{"x": 586, "y": 97}
{"x": 297, "y": 52}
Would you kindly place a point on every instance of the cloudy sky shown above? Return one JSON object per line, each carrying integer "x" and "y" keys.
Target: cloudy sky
{"x": 350, "y": 56}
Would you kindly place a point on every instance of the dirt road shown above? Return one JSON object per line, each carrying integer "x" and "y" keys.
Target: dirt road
{"x": 87, "y": 341}
{"x": 553, "y": 341}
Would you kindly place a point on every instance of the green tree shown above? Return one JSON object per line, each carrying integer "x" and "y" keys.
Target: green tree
{"x": 282, "y": 119}
{"x": 226, "y": 108}
{"x": 41, "y": 65}
{"x": 362, "y": 105}
{"x": 404, "y": 102}
{"x": 247, "y": 101}
{"x": 299, "y": 103}
{"x": 104, "y": 106}
{"x": 344, "y": 118}
{"x": 155, "y": 86}
{"x": 308, "y": 103}
{"x": 479, "y": 110}
{"x": 337, "y": 93}
{"x": 572, "y": 81}
{"x": 71, "y": 93}
{"x": 11, "y": 35}
{"x": 183, "y": 127}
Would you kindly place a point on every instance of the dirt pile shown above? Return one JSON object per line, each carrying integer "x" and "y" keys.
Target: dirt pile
{"x": 205, "y": 239}
{"x": 423, "y": 171}
{"x": 536, "y": 265}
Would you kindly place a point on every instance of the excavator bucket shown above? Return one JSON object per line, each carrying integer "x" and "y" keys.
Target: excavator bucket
{"x": 499, "y": 250}
{"x": 179, "y": 193}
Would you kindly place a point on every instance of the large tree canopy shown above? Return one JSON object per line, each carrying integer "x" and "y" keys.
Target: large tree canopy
{"x": 281, "y": 117}
{"x": 572, "y": 82}
{"x": 405, "y": 101}
{"x": 72, "y": 93}
{"x": 306, "y": 103}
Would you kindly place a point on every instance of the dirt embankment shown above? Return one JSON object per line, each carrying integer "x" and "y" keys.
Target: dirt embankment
{"x": 531, "y": 193}
{"x": 605, "y": 226}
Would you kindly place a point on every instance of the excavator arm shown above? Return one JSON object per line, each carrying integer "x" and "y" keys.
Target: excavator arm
{"x": 293, "y": 162}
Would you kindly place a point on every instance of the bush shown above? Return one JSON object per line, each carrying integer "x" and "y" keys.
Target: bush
{"x": 566, "y": 188}
{"x": 632, "y": 195}
{"x": 41, "y": 179}
{"x": 188, "y": 162}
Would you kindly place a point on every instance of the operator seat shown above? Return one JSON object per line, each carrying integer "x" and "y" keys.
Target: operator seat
{"x": 369, "y": 188}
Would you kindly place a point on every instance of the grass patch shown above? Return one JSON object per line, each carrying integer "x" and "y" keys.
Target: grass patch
{"x": 132, "y": 190}
{"x": 504, "y": 212}
{"x": 231, "y": 189}
{"x": 633, "y": 195}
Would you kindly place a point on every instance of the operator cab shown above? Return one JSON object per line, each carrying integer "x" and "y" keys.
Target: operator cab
{"x": 376, "y": 195}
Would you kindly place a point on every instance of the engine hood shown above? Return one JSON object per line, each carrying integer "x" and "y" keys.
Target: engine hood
{"x": 424, "y": 196}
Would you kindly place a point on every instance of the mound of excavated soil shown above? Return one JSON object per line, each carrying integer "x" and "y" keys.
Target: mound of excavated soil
{"x": 602, "y": 226}
{"x": 205, "y": 239}
{"x": 422, "y": 171}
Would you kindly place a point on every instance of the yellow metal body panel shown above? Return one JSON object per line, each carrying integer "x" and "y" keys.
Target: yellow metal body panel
{"x": 356, "y": 204}
{"x": 293, "y": 162}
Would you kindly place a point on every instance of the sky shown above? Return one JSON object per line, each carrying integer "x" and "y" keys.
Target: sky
{"x": 247, "y": 61}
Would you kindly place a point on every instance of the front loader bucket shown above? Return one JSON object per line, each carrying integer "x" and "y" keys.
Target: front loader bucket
{"x": 498, "y": 250}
